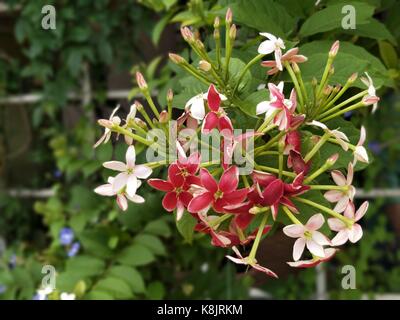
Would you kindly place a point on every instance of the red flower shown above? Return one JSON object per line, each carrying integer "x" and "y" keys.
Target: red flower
{"x": 217, "y": 117}
{"x": 217, "y": 195}
{"x": 177, "y": 185}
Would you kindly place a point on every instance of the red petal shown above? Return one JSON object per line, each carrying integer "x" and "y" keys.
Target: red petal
{"x": 243, "y": 220}
{"x": 263, "y": 178}
{"x": 229, "y": 180}
{"x": 208, "y": 181}
{"x": 200, "y": 202}
{"x": 214, "y": 101}
{"x": 185, "y": 197}
{"x": 236, "y": 196}
{"x": 219, "y": 205}
{"x": 175, "y": 176}
{"x": 191, "y": 180}
{"x": 210, "y": 122}
{"x": 225, "y": 126}
{"x": 293, "y": 139}
{"x": 273, "y": 192}
{"x": 161, "y": 185}
{"x": 169, "y": 201}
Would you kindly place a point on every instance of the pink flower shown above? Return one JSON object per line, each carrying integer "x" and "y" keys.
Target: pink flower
{"x": 339, "y": 136}
{"x": 218, "y": 238}
{"x": 273, "y": 44}
{"x": 277, "y": 102}
{"x": 345, "y": 232}
{"x": 342, "y": 197}
{"x": 122, "y": 196}
{"x": 217, "y": 117}
{"x": 329, "y": 253}
{"x": 371, "y": 90}
{"x": 107, "y": 131}
{"x": 250, "y": 262}
{"x": 218, "y": 195}
{"x": 290, "y": 56}
{"x": 308, "y": 236}
{"x": 176, "y": 187}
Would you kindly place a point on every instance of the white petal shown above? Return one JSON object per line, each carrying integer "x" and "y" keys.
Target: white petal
{"x": 320, "y": 238}
{"x": 315, "y": 222}
{"x": 333, "y": 195}
{"x": 338, "y": 177}
{"x": 336, "y": 224}
{"x": 115, "y": 165}
{"x": 361, "y": 154}
{"x": 142, "y": 172}
{"x": 266, "y": 47}
{"x": 363, "y": 135}
{"x": 105, "y": 190}
{"x": 340, "y": 238}
{"x": 355, "y": 233}
{"x": 135, "y": 198}
{"x": 294, "y": 230}
{"x": 130, "y": 157}
{"x": 263, "y": 107}
{"x": 298, "y": 248}
{"x": 342, "y": 204}
{"x": 278, "y": 56}
{"x": 131, "y": 185}
{"x": 197, "y": 109}
{"x": 315, "y": 248}
{"x": 361, "y": 211}
{"x": 120, "y": 181}
{"x": 269, "y": 36}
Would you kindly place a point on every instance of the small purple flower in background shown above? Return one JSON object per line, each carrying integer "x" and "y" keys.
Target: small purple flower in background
{"x": 57, "y": 174}
{"x": 13, "y": 261}
{"x": 3, "y": 288}
{"x": 375, "y": 147}
{"x": 66, "y": 236}
{"x": 348, "y": 115}
{"x": 74, "y": 249}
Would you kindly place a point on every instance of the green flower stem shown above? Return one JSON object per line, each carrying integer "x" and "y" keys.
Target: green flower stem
{"x": 156, "y": 164}
{"x": 146, "y": 117}
{"x": 316, "y": 147}
{"x": 272, "y": 141}
{"x": 318, "y": 172}
{"x": 219, "y": 220}
{"x": 347, "y": 221}
{"x": 351, "y": 146}
{"x": 228, "y": 51}
{"x": 340, "y": 93}
{"x": 245, "y": 181}
{"x": 274, "y": 170}
{"x": 302, "y": 86}
{"x": 342, "y": 104}
{"x": 269, "y": 153}
{"x": 325, "y": 76}
{"x": 195, "y": 73}
{"x": 296, "y": 85}
{"x": 265, "y": 125}
{"x": 353, "y": 107}
{"x": 291, "y": 216}
{"x": 257, "y": 240}
{"x": 135, "y": 137}
{"x": 218, "y": 52}
{"x": 137, "y": 128}
{"x": 150, "y": 101}
{"x": 247, "y": 67}
{"x": 209, "y": 164}
{"x": 281, "y": 147}
{"x": 328, "y": 187}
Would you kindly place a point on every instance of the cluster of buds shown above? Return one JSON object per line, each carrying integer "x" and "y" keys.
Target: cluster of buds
{"x": 236, "y": 208}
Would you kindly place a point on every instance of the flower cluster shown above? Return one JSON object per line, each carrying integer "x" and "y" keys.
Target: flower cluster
{"x": 234, "y": 207}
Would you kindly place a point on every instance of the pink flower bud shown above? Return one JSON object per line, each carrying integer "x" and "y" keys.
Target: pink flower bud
{"x": 175, "y": 58}
{"x": 369, "y": 100}
{"x": 204, "y": 66}
{"x": 229, "y": 16}
{"x": 164, "y": 116}
{"x": 187, "y": 34}
{"x": 232, "y": 32}
{"x": 170, "y": 95}
{"x": 353, "y": 77}
{"x": 216, "y": 22}
{"x": 334, "y": 49}
{"x": 140, "y": 81}
{"x": 332, "y": 159}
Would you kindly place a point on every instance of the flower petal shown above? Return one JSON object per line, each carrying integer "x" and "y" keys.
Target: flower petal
{"x": 208, "y": 181}
{"x": 135, "y": 198}
{"x": 229, "y": 180}
{"x": 169, "y": 201}
{"x": 340, "y": 238}
{"x": 142, "y": 171}
{"x": 120, "y": 181}
{"x": 213, "y": 98}
{"x": 105, "y": 190}
{"x": 273, "y": 192}
{"x": 130, "y": 157}
{"x": 336, "y": 224}
{"x": 298, "y": 248}
{"x": 210, "y": 122}
{"x": 122, "y": 202}
{"x": 361, "y": 211}
{"x": 320, "y": 238}
{"x": 294, "y": 230}
{"x": 338, "y": 177}
{"x": 131, "y": 185}
{"x": 333, "y": 195}
{"x": 200, "y": 202}
{"x": 355, "y": 233}
{"x": 115, "y": 165}
{"x": 315, "y": 248}
{"x": 161, "y": 185}
{"x": 315, "y": 222}
{"x": 266, "y": 47}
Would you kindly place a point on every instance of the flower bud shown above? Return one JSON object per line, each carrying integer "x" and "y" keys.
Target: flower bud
{"x": 199, "y": 44}
{"x": 229, "y": 16}
{"x": 187, "y": 34}
{"x": 353, "y": 77}
{"x": 105, "y": 123}
{"x": 176, "y": 58}
{"x": 139, "y": 106}
{"x": 217, "y": 35}
{"x": 204, "y": 66}
{"x": 216, "y": 23}
{"x": 140, "y": 81}
{"x": 164, "y": 116}
{"x": 141, "y": 123}
{"x": 332, "y": 159}
{"x": 334, "y": 49}
{"x": 170, "y": 95}
{"x": 327, "y": 90}
{"x": 369, "y": 100}
{"x": 232, "y": 32}
{"x": 295, "y": 67}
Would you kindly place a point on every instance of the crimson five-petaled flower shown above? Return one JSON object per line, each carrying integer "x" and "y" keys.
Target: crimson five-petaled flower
{"x": 217, "y": 194}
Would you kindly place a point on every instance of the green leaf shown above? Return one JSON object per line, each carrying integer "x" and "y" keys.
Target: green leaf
{"x": 136, "y": 255}
{"x": 131, "y": 276}
{"x": 151, "y": 242}
{"x": 388, "y": 54}
{"x": 186, "y": 227}
{"x": 249, "y": 105}
{"x": 100, "y": 295}
{"x": 330, "y": 18}
{"x": 96, "y": 243}
{"x": 85, "y": 266}
{"x": 159, "y": 27}
{"x": 116, "y": 287}
{"x": 155, "y": 291}
{"x": 158, "y": 227}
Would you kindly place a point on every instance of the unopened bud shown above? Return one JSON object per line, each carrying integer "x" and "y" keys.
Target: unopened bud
{"x": 232, "y": 32}
{"x": 334, "y": 49}
{"x": 228, "y": 17}
{"x": 216, "y": 23}
{"x": 254, "y": 210}
{"x": 295, "y": 67}
{"x": 187, "y": 34}
{"x": 176, "y": 58}
{"x": 140, "y": 81}
{"x": 164, "y": 116}
{"x": 327, "y": 90}
{"x": 199, "y": 44}
{"x": 141, "y": 123}
{"x": 139, "y": 106}
{"x": 332, "y": 159}
{"x": 353, "y": 77}
{"x": 217, "y": 35}
{"x": 369, "y": 100}
{"x": 336, "y": 89}
{"x": 170, "y": 95}
{"x": 204, "y": 66}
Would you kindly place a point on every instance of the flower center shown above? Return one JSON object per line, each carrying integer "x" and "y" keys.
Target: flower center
{"x": 218, "y": 195}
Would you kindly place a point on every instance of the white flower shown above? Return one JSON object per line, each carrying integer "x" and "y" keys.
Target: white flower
{"x": 273, "y": 44}
{"x": 67, "y": 296}
{"x": 107, "y": 131}
{"x": 339, "y": 136}
{"x": 41, "y": 294}
{"x": 342, "y": 197}
{"x": 122, "y": 197}
{"x": 308, "y": 236}
{"x": 345, "y": 232}
{"x": 371, "y": 89}
{"x": 360, "y": 153}
{"x": 196, "y": 105}
{"x": 129, "y": 172}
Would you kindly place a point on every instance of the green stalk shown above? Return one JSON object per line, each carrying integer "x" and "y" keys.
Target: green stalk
{"x": 274, "y": 170}
{"x": 291, "y": 216}
{"x": 247, "y": 67}
{"x": 296, "y": 85}
{"x": 316, "y": 147}
{"x": 353, "y": 107}
{"x": 256, "y": 243}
